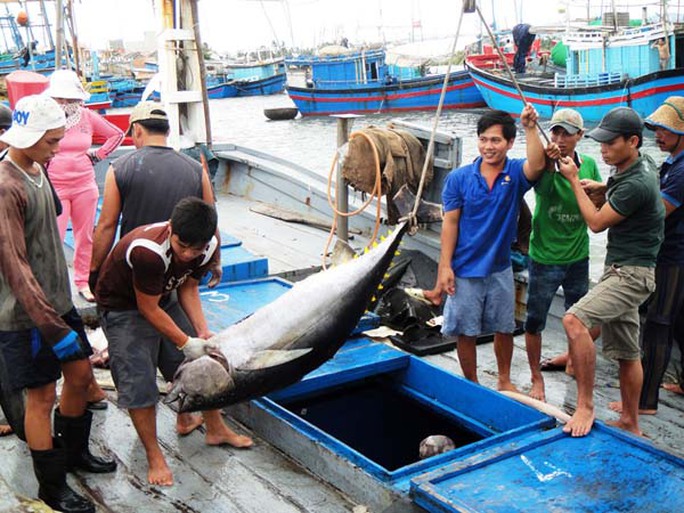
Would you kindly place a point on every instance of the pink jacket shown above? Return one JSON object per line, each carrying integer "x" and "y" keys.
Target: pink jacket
{"x": 71, "y": 167}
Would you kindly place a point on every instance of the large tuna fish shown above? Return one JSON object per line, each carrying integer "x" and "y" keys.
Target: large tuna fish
{"x": 281, "y": 342}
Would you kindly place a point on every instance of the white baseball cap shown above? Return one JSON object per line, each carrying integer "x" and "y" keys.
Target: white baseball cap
{"x": 32, "y": 117}
{"x": 65, "y": 83}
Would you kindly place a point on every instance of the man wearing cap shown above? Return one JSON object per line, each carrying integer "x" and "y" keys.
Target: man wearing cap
{"x": 35, "y": 300}
{"x": 144, "y": 187}
{"x": 633, "y": 214}
{"x": 559, "y": 245}
{"x": 666, "y": 307}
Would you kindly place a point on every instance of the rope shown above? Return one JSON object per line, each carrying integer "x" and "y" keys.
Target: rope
{"x": 433, "y": 132}
{"x": 377, "y": 190}
{"x": 377, "y": 193}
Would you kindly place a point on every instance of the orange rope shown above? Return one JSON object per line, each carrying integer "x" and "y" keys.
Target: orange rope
{"x": 377, "y": 193}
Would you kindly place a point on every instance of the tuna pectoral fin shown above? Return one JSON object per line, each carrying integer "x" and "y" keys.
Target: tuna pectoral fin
{"x": 272, "y": 358}
{"x": 427, "y": 212}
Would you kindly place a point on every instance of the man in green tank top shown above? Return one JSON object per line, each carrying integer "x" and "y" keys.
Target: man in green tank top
{"x": 559, "y": 245}
{"x": 634, "y": 215}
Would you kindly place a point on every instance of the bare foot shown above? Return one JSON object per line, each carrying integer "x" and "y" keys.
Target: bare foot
{"x": 225, "y": 435}
{"x": 620, "y": 424}
{"x": 95, "y": 394}
{"x": 617, "y": 406}
{"x": 674, "y": 388}
{"x": 569, "y": 370}
{"x": 506, "y": 385}
{"x": 6, "y": 429}
{"x": 159, "y": 473}
{"x": 537, "y": 390}
{"x": 186, "y": 423}
{"x": 580, "y": 423}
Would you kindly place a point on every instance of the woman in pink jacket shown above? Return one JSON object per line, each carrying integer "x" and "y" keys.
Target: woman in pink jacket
{"x": 71, "y": 170}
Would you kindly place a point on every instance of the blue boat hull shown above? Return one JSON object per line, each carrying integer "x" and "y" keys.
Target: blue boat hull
{"x": 223, "y": 90}
{"x": 418, "y": 94}
{"x": 643, "y": 94}
{"x": 262, "y": 87}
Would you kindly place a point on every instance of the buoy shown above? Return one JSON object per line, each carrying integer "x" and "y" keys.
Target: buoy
{"x": 22, "y": 18}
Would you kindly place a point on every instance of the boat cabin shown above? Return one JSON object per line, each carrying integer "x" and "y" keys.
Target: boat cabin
{"x": 342, "y": 69}
{"x": 598, "y": 58}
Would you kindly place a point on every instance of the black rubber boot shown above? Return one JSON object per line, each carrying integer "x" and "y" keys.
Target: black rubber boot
{"x": 74, "y": 433}
{"x": 50, "y": 468}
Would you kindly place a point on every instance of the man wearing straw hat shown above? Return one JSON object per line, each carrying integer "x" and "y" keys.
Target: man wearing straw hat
{"x": 666, "y": 307}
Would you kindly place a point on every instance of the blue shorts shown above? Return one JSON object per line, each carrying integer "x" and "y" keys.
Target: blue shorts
{"x": 30, "y": 361}
{"x": 137, "y": 350}
{"x": 543, "y": 284}
{"x": 481, "y": 305}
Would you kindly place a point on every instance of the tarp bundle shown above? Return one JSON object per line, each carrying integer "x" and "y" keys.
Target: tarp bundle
{"x": 401, "y": 158}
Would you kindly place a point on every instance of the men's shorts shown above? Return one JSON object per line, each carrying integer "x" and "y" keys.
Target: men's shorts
{"x": 481, "y": 305}
{"x": 614, "y": 305}
{"x": 543, "y": 284}
{"x": 29, "y": 359}
{"x": 137, "y": 349}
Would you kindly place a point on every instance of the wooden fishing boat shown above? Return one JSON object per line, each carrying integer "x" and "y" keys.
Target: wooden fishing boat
{"x": 602, "y": 72}
{"x": 362, "y": 82}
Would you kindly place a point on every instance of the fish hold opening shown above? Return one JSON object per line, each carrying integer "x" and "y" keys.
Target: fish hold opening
{"x": 377, "y": 419}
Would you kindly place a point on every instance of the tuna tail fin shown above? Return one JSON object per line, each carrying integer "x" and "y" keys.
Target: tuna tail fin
{"x": 272, "y": 358}
{"x": 427, "y": 212}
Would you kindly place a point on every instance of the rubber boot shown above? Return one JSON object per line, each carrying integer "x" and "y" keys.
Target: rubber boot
{"x": 50, "y": 468}
{"x": 74, "y": 433}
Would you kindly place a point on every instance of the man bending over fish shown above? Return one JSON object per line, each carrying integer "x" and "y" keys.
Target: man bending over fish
{"x": 150, "y": 311}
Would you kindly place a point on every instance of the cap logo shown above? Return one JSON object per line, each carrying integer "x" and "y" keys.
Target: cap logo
{"x": 21, "y": 117}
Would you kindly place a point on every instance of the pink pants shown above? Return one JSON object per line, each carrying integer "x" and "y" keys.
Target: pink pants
{"x": 79, "y": 205}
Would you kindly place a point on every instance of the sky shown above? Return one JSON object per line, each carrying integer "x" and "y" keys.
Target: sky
{"x": 233, "y": 25}
{"x": 229, "y": 26}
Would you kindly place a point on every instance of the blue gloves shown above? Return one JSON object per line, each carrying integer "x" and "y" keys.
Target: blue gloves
{"x": 69, "y": 348}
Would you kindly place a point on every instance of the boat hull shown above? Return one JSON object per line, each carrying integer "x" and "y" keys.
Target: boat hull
{"x": 643, "y": 94}
{"x": 262, "y": 87}
{"x": 417, "y": 94}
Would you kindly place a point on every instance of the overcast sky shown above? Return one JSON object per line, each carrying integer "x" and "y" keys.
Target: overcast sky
{"x": 233, "y": 25}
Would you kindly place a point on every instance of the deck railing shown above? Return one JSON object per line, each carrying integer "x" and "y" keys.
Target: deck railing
{"x": 582, "y": 80}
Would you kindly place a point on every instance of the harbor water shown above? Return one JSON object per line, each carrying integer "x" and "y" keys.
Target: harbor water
{"x": 311, "y": 141}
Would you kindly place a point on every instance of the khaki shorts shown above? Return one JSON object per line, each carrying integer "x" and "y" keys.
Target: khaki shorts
{"x": 614, "y": 305}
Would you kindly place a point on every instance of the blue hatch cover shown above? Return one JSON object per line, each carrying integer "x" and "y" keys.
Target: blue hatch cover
{"x": 607, "y": 471}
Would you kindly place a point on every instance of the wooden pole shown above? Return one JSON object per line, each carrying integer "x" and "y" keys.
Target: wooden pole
{"x": 59, "y": 33}
{"x": 202, "y": 70}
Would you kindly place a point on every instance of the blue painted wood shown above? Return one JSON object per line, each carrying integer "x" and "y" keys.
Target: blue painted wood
{"x": 607, "y": 471}
{"x": 361, "y": 82}
{"x": 446, "y": 393}
{"x": 357, "y": 359}
{"x": 228, "y": 303}
{"x": 597, "y": 79}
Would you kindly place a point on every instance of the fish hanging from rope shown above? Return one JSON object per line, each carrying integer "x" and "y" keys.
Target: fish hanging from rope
{"x": 286, "y": 339}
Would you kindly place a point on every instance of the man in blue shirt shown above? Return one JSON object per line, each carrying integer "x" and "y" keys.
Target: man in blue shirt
{"x": 481, "y": 204}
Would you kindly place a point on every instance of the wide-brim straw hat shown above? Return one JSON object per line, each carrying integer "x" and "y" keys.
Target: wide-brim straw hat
{"x": 670, "y": 116}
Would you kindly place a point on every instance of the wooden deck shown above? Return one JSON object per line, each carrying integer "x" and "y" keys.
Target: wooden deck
{"x": 262, "y": 479}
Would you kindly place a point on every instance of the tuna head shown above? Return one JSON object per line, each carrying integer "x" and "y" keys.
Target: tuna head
{"x": 207, "y": 376}
{"x": 286, "y": 339}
